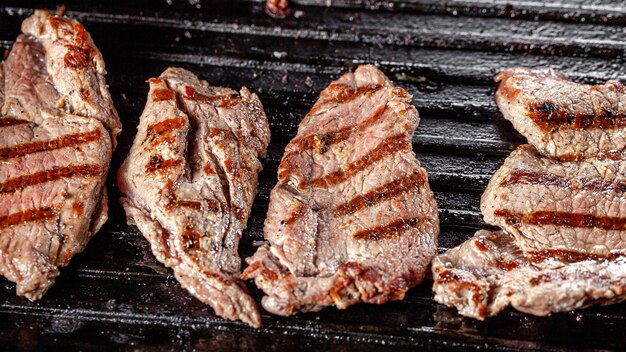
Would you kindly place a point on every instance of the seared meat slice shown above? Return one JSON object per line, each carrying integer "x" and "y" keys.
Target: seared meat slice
{"x": 55, "y": 152}
{"x": 190, "y": 180}
{"x": 76, "y": 68}
{"x": 352, "y": 218}
{"x": 563, "y": 119}
{"x": 487, "y": 273}
{"x": 548, "y": 205}
{"x": 561, "y": 208}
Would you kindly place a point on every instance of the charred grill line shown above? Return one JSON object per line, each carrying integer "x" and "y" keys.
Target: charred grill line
{"x": 61, "y": 142}
{"x": 321, "y": 143}
{"x": 382, "y": 193}
{"x": 563, "y": 219}
{"x": 384, "y": 149}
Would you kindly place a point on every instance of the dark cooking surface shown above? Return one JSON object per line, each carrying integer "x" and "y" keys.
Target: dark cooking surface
{"x": 115, "y": 293}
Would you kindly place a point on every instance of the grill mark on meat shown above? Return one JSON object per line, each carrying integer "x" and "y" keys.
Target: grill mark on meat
{"x": 563, "y": 219}
{"x": 190, "y": 204}
{"x": 212, "y": 205}
{"x": 191, "y": 237}
{"x": 157, "y": 163}
{"x": 481, "y": 245}
{"x": 238, "y": 170}
{"x": 342, "y": 93}
{"x": 382, "y": 193}
{"x": 220, "y": 101}
{"x": 162, "y": 94}
{"x": 610, "y": 155}
{"x": 161, "y": 132}
{"x": 234, "y": 168}
{"x": 321, "y": 142}
{"x": 448, "y": 277}
{"x": 548, "y": 116}
{"x": 569, "y": 256}
{"x": 56, "y": 173}
{"x": 387, "y": 147}
{"x": 29, "y": 215}
{"x": 295, "y": 215}
{"x": 535, "y": 178}
{"x": 166, "y": 126}
{"x": 208, "y": 169}
{"x": 71, "y": 140}
{"x": 78, "y": 56}
{"x": 390, "y": 230}
{"x": 79, "y": 208}
{"x": 11, "y": 121}
{"x": 506, "y": 265}
{"x": 84, "y": 93}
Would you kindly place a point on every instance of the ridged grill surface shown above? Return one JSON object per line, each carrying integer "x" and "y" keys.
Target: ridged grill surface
{"x": 445, "y": 53}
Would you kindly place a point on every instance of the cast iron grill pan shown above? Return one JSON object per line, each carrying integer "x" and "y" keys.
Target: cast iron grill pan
{"x": 116, "y": 295}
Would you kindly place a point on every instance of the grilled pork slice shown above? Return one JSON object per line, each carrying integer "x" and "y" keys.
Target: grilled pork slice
{"x": 352, "y": 218}
{"x": 549, "y": 205}
{"x": 190, "y": 179}
{"x": 490, "y": 271}
{"x": 54, "y": 151}
{"x": 563, "y": 119}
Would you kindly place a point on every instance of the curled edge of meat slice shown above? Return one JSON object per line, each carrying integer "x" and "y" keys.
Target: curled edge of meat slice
{"x": 489, "y": 272}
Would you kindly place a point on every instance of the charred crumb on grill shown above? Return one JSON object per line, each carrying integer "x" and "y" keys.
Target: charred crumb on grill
{"x": 277, "y": 8}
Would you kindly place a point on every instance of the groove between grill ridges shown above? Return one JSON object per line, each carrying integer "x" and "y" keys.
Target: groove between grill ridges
{"x": 544, "y": 10}
{"x": 479, "y": 69}
{"x": 588, "y": 41}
